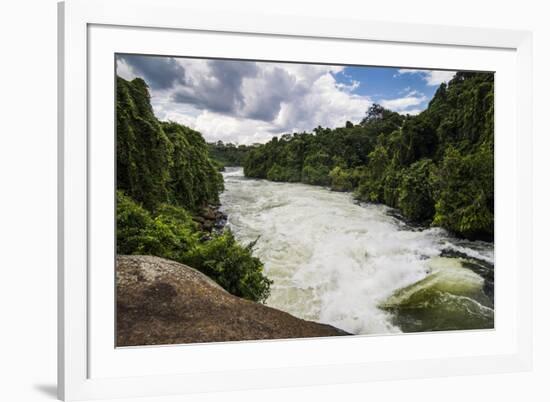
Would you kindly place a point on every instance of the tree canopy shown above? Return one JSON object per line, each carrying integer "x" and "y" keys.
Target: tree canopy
{"x": 435, "y": 167}
{"x": 165, "y": 180}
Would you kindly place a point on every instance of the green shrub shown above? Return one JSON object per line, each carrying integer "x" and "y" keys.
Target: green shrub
{"x": 316, "y": 169}
{"x": 369, "y": 190}
{"x": 318, "y": 175}
{"x": 276, "y": 173}
{"x": 232, "y": 266}
{"x": 371, "y": 183}
{"x": 171, "y": 233}
{"x": 392, "y": 181}
{"x": 340, "y": 179}
{"x": 135, "y": 230}
{"x": 464, "y": 192}
{"x": 415, "y": 195}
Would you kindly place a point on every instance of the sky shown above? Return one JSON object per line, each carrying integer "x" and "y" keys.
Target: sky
{"x": 247, "y": 102}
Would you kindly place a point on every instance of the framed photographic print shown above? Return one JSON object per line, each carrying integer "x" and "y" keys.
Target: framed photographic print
{"x": 255, "y": 201}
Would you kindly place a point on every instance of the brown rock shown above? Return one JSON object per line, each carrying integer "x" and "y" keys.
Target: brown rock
{"x": 163, "y": 302}
{"x": 209, "y": 213}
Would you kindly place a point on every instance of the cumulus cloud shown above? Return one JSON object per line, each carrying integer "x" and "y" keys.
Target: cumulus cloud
{"x": 266, "y": 93}
{"x": 219, "y": 87}
{"x": 432, "y": 77}
{"x": 247, "y": 102}
{"x": 408, "y": 104}
{"x": 158, "y": 72}
{"x": 325, "y": 104}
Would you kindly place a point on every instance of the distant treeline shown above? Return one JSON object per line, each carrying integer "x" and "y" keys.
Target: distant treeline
{"x": 228, "y": 154}
{"x": 436, "y": 167}
{"x": 165, "y": 182}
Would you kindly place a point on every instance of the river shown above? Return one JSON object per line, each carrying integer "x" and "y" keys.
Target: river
{"x": 357, "y": 266}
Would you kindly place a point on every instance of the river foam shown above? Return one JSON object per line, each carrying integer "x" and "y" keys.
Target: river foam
{"x": 333, "y": 260}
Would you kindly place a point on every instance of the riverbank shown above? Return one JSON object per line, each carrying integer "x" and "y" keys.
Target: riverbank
{"x": 211, "y": 218}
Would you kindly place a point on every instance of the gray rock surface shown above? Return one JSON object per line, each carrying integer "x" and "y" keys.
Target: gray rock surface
{"x": 164, "y": 302}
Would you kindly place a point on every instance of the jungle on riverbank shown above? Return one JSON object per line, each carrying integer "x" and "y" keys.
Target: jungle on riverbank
{"x": 404, "y": 204}
{"x": 436, "y": 167}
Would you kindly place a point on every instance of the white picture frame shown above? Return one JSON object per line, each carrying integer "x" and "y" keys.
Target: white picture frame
{"x": 89, "y": 365}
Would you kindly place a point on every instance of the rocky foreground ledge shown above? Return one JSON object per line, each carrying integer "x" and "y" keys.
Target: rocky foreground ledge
{"x": 163, "y": 302}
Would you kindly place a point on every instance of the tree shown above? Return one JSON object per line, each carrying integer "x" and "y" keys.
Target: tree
{"x": 464, "y": 194}
{"x": 436, "y": 166}
{"x": 165, "y": 178}
{"x": 375, "y": 112}
{"x": 415, "y": 193}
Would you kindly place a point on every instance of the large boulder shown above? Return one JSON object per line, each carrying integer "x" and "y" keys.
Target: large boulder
{"x": 164, "y": 302}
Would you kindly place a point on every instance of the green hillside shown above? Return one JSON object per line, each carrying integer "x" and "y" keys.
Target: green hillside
{"x": 166, "y": 186}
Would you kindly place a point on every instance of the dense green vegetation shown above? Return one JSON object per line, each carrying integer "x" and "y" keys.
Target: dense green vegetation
{"x": 436, "y": 167}
{"x": 165, "y": 178}
{"x": 170, "y": 232}
{"x": 160, "y": 162}
{"x": 228, "y": 154}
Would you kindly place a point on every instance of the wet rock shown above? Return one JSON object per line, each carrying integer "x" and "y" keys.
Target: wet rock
{"x": 211, "y": 219}
{"x": 209, "y": 213}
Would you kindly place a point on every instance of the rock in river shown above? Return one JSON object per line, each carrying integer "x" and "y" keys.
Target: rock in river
{"x": 164, "y": 302}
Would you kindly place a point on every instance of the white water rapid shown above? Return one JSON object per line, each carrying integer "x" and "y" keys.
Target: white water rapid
{"x": 335, "y": 261}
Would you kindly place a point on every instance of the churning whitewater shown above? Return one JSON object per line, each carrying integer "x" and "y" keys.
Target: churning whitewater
{"x": 357, "y": 266}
